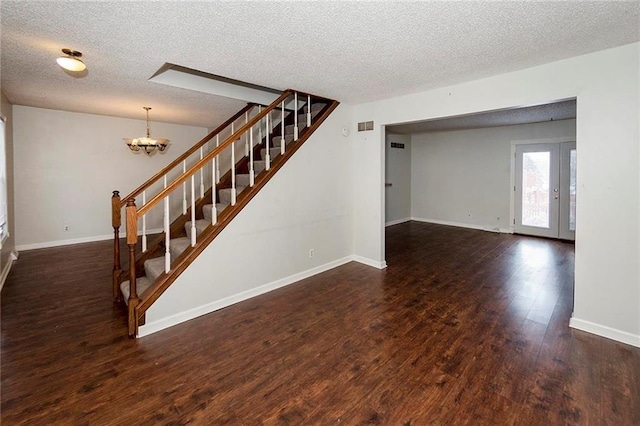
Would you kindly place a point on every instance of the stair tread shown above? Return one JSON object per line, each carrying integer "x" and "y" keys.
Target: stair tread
{"x": 207, "y": 210}
{"x": 142, "y": 284}
{"x": 273, "y": 152}
{"x": 153, "y": 268}
{"x": 178, "y": 245}
{"x": 200, "y": 224}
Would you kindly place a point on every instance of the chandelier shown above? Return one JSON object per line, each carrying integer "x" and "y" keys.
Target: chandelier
{"x": 147, "y": 144}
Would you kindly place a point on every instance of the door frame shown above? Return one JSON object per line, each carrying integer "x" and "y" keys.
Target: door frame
{"x": 512, "y": 174}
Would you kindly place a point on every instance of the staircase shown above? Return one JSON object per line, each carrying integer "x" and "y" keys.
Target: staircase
{"x": 198, "y": 194}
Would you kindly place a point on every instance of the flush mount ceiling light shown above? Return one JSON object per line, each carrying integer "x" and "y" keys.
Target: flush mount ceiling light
{"x": 146, "y": 143}
{"x": 72, "y": 61}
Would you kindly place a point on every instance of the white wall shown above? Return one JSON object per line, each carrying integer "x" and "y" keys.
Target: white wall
{"x": 398, "y": 174}
{"x": 67, "y": 164}
{"x": 606, "y": 84}
{"x": 464, "y": 177}
{"x": 304, "y": 206}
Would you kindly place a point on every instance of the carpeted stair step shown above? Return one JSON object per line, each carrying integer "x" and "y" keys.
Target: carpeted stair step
{"x": 177, "y": 246}
{"x": 273, "y": 153}
{"x": 316, "y": 108}
{"x": 142, "y": 284}
{"x": 153, "y": 268}
{"x": 277, "y": 140}
{"x": 206, "y": 210}
{"x": 201, "y": 224}
{"x": 225, "y": 194}
{"x": 258, "y": 166}
{"x": 242, "y": 180}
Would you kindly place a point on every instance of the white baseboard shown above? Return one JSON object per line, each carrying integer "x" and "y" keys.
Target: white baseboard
{"x": 181, "y": 317}
{"x": 92, "y": 239}
{"x": 369, "y": 262}
{"x": 463, "y": 225}
{"x": 7, "y": 268}
{"x": 604, "y": 331}
{"x": 397, "y": 221}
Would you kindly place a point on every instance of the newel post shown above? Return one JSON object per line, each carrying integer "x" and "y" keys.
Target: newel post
{"x": 132, "y": 239}
{"x": 116, "y": 222}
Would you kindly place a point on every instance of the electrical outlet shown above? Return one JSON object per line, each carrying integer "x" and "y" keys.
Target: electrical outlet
{"x": 311, "y": 253}
{"x": 66, "y": 228}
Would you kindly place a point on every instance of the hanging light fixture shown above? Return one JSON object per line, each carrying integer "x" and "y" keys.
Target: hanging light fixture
{"x": 71, "y": 61}
{"x": 146, "y": 143}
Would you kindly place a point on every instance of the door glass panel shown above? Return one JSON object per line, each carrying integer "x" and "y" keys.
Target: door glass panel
{"x": 536, "y": 170}
{"x": 572, "y": 190}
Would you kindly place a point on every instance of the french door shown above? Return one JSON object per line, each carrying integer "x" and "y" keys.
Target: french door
{"x": 545, "y": 190}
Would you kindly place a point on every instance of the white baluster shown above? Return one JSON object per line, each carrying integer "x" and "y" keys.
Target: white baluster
{"x": 214, "y": 212}
{"x": 308, "y": 111}
{"x": 217, "y": 160}
{"x": 201, "y": 175}
{"x": 144, "y": 224}
{"x": 252, "y": 175}
{"x": 282, "y": 140}
{"x": 184, "y": 188}
{"x": 246, "y": 141}
{"x": 167, "y": 233}
{"x": 260, "y": 127}
{"x": 193, "y": 211}
{"x": 233, "y": 173}
{"x": 267, "y": 157}
{"x": 295, "y": 116}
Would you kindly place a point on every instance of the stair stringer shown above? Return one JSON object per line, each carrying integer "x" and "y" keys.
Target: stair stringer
{"x": 306, "y": 205}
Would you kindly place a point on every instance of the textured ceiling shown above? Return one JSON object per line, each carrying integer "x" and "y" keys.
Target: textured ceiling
{"x": 534, "y": 114}
{"x": 351, "y": 51}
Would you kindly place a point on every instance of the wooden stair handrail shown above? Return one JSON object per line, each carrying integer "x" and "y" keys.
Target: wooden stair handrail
{"x": 213, "y": 153}
{"x": 186, "y": 154}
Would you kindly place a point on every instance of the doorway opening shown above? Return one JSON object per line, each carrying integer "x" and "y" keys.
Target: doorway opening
{"x": 545, "y": 177}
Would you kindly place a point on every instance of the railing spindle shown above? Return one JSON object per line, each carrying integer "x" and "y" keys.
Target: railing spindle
{"x": 252, "y": 175}
{"x": 217, "y": 160}
{"x": 282, "y": 138}
{"x": 267, "y": 157}
{"x": 233, "y": 173}
{"x": 184, "y": 188}
{"x": 193, "y": 211}
{"x": 295, "y": 116}
{"x": 201, "y": 175}
{"x": 116, "y": 211}
{"x": 260, "y": 127}
{"x": 167, "y": 236}
{"x": 144, "y": 224}
{"x": 308, "y": 110}
{"x": 246, "y": 139}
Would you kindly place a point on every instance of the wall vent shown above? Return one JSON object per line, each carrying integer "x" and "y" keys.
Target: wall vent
{"x": 365, "y": 126}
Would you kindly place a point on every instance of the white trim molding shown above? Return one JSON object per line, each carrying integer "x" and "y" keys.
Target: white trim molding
{"x": 397, "y": 221}
{"x": 369, "y": 262}
{"x": 604, "y": 331}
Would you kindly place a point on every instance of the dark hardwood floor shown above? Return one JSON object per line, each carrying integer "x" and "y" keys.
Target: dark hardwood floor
{"x": 463, "y": 327}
